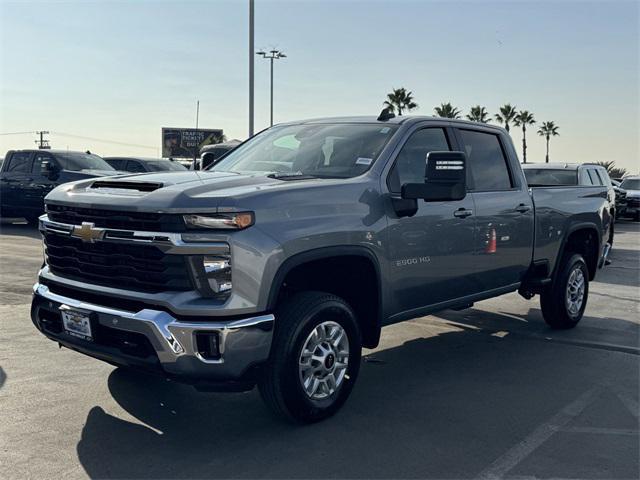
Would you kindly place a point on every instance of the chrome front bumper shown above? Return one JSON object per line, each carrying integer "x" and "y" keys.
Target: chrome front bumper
{"x": 243, "y": 343}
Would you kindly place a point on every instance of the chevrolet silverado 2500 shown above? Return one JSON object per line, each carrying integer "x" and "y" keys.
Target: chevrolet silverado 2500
{"x": 278, "y": 265}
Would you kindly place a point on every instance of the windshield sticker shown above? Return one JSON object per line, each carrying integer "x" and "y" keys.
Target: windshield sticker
{"x": 385, "y": 130}
{"x": 364, "y": 161}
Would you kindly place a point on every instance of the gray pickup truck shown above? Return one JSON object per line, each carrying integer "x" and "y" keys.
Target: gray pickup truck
{"x": 279, "y": 264}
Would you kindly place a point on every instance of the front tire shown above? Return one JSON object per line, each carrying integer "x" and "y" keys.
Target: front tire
{"x": 315, "y": 358}
{"x": 564, "y": 301}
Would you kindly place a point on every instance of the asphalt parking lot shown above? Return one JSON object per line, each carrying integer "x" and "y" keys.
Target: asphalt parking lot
{"x": 486, "y": 392}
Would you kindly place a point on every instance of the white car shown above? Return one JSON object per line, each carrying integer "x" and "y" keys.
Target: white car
{"x": 632, "y": 186}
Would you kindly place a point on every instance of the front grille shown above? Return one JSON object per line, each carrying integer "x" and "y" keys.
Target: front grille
{"x": 633, "y": 202}
{"x": 142, "y": 221}
{"x": 138, "y": 267}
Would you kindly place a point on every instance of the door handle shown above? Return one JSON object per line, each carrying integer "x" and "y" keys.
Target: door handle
{"x": 462, "y": 213}
{"x": 522, "y": 208}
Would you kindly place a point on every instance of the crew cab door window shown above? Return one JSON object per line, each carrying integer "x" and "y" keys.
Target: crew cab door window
{"x": 411, "y": 162}
{"x": 486, "y": 161}
{"x": 135, "y": 166}
{"x": 19, "y": 163}
{"x": 586, "y": 178}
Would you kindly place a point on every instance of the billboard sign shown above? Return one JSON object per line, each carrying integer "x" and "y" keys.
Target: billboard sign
{"x": 187, "y": 142}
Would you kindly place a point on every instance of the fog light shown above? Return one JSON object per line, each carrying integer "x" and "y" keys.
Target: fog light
{"x": 208, "y": 345}
{"x": 218, "y": 273}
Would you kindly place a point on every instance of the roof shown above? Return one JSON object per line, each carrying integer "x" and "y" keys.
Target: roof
{"x": 397, "y": 120}
{"x": 552, "y": 166}
{"x": 142, "y": 159}
{"x": 50, "y": 150}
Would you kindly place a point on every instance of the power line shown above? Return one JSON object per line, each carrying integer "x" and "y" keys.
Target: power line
{"x": 17, "y": 133}
{"x": 102, "y": 140}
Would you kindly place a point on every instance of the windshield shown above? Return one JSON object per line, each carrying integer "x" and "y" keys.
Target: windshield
{"x": 547, "y": 177}
{"x": 631, "y": 184}
{"x": 75, "y": 161}
{"x": 320, "y": 150}
{"x": 165, "y": 165}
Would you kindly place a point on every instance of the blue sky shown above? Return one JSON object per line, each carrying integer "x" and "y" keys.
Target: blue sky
{"x": 122, "y": 70}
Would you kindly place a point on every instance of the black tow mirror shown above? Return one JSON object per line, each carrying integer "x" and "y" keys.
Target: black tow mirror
{"x": 445, "y": 179}
{"x": 47, "y": 169}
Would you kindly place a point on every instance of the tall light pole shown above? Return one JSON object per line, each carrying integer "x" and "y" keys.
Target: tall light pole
{"x": 251, "y": 61}
{"x": 272, "y": 55}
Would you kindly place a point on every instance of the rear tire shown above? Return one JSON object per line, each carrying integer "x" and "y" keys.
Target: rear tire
{"x": 315, "y": 358}
{"x": 564, "y": 301}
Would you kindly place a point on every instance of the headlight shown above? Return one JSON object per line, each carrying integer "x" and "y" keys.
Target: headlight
{"x": 220, "y": 221}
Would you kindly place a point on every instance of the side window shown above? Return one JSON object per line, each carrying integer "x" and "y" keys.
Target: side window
{"x": 19, "y": 163}
{"x": 411, "y": 162}
{"x": 600, "y": 173}
{"x": 116, "y": 163}
{"x": 486, "y": 161}
{"x": 585, "y": 177}
{"x": 37, "y": 162}
{"x": 133, "y": 166}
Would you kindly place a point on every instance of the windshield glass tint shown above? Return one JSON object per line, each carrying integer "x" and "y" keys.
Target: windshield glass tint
{"x": 81, "y": 161}
{"x": 330, "y": 151}
{"x": 546, "y": 177}
{"x": 631, "y": 184}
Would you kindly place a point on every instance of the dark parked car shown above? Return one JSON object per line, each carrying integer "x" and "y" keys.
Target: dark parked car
{"x": 26, "y": 176}
{"x": 143, "y": 165}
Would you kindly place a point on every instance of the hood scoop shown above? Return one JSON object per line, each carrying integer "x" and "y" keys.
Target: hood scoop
{"x": 129, "y": 187}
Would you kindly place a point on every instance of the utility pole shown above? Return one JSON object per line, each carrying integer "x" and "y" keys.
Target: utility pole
{"x": 251, "y": 61}
{"x": 43, "y": 142}
{"x": 195, "y": 149}
{"x": 272, "y": 55}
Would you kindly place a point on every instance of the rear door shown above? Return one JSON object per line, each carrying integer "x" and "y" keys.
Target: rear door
{"x": 16, "y": 175}
{"x": 503, "y": 208}
{"x": 40, "y": 185}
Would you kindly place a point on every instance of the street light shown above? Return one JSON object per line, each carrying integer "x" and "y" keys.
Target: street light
{"x": 272, "y": 55}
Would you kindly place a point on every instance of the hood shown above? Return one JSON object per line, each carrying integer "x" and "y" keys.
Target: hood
{"x": 632, "y": 193}
{"x": 175, "y": 192}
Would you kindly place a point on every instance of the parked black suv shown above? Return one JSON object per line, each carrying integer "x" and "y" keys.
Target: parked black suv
{"x": 26, "y": 176}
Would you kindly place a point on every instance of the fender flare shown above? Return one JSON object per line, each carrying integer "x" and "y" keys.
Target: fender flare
{"x": 574, "y": 227}
{"x": 318, "y": 254}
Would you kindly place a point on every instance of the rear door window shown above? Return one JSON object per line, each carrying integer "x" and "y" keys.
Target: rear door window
{"x": 135, "y": 166}
{"x": 486, "y": 161}
{"x": 19, "y": 163}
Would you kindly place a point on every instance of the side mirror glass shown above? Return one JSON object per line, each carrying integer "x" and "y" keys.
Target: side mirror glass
{"x": 46, "y": 168}
{"x": 445, "y": 179}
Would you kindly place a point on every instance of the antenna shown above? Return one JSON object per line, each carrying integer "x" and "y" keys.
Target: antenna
{"x": 386, "y": 114}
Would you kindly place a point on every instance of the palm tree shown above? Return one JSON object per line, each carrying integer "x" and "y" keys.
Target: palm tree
{"x": 478, "y": 114}
{"x": 447, "y": 110}
{"x": 522, "y": 119}
{"x": 612, "y": 170}
{"x": 548, "y": 130}
{"x": 399, "y": 99}
{"x": 506, "y": 115}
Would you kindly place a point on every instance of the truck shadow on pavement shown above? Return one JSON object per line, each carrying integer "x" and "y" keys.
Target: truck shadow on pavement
{"x": 18, "y": 229}
{"x": 443, "y": 406}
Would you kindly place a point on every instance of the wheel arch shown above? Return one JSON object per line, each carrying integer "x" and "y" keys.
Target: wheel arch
{"x": 310, "y": 269}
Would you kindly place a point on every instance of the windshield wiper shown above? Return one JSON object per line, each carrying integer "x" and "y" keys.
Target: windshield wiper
{"x": 290, "y": 176}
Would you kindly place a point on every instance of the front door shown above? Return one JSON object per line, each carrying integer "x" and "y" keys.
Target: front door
{"x": 15, "y": 177}
{"x": 430, "y": 253}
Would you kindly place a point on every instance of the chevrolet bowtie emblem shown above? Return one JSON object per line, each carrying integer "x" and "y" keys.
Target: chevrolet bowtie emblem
{"x": 88, "y": 232}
